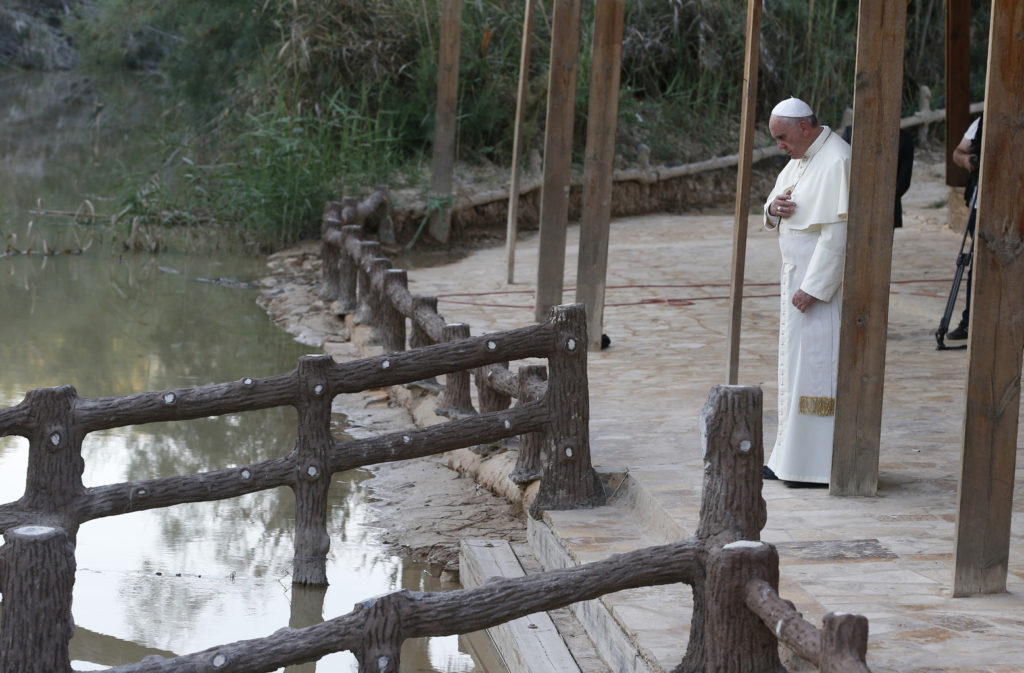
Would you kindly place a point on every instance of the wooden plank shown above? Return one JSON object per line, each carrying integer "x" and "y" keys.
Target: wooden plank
{"x": 865, "y": 312}
{"x": 529, "y": 644}
{"x": 602, "y": 117}
{"x": 748, "y": 118}
{"x": 554, "y": 195}
{"x": 958, "y": 83}
{"x": 444, "y": 123}
{"x": 997, "y": 321}
{"x": 512, "y": 226}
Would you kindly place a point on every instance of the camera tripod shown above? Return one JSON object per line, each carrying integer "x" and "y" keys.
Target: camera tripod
{"x": 963, "y": 262}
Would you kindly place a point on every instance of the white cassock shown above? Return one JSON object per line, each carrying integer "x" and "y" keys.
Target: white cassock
{"x": 813, "y": 244}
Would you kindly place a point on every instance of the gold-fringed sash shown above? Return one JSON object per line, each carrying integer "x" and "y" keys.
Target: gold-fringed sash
{"x": 818, "y": 406}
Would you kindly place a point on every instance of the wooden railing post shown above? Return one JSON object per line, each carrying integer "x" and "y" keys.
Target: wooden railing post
{"x": 347, "y": 271}
{"x": 368, "y": 250}
{"x": 844, "y": 643}
{"x": 456, "y": 401}
{"x": 418, "y": 336}
{"x": 569, "y": 480}
{"x": 735, "y": 639}
{"x": 37, "y": 576}
{"x": 528, "y": 466}
{"x": 55, "y": 464}
{"x": 330, "y": 255}
{"x": 375, "y": 270}
{"x": 731, "y": 504}
{"x": 392, "y": 322}
{"x": 312, "y": 476}
{"x": 489, "y": 398}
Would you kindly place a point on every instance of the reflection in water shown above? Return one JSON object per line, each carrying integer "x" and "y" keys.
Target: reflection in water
{"x": 179, "y": 579}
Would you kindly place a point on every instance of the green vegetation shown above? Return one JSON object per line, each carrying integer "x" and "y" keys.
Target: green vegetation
{"x": 291, "y": 102}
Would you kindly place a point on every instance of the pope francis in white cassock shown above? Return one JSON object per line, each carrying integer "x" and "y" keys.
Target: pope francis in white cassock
{"x": 808, "y": 206}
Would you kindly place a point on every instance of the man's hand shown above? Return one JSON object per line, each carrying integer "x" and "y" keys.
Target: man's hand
{"x": 782, "y": 205}
{"x": 802, "y": 300}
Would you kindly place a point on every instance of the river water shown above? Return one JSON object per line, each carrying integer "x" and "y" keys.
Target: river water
{"x": 109, "y": 322}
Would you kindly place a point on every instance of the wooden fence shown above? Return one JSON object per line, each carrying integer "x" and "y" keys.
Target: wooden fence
{"x": 738, "y": 618}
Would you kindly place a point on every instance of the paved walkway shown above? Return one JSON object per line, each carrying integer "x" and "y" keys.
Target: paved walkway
{"x": 887, "y": 557}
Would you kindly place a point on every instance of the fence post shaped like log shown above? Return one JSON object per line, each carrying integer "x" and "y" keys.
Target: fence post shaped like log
{"x": 376, "y": 268}
{"x": 312, "y": 476}
{"x": 381, "y": 645}
{"x": 528, "y": 466}
{"x": 348, "y": 271}
{"x": 735, "y": 639}
{"x": 37, "y": 578}
{"x": 392, "y": 322}
{"x": 456, "y": 401}
{"x": 330, "y": 255}
{"x": 569, "y": 480}
{"x": 844, "y": 643}
{"x": 368, "y": 250}
{"x": 732, "y": 507}
{"x": 55, "y": 464}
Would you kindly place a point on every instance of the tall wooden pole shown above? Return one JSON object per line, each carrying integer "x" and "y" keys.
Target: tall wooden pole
{"x": 554, "y": 196}
{"x": 748, "y": 118}
{"x": 512, "y": 230}
{"x": 997, "y": 324}
{"x": 958, "y": 83}
{"x": 602, "y": 115}
{"x": 444, "y": 124}
{"x": 865, "y": 312}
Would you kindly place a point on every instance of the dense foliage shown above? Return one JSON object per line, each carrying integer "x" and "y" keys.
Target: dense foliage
{"x": 290, "y": 101}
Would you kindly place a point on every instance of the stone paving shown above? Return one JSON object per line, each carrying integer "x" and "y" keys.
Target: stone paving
{"x": 887, "y": 557}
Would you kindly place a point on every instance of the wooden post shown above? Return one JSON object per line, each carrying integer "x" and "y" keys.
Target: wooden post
{"x": 312, "y": 477}
{"x": 418, "y": 337}
{"x": 569, "y": 480}
{"x": 445, "y": 119}
{"x": 392, "y": 321}
{"x": 735, "y": 639}
{"x": 732, "y": 440}
{"x": 330, "y": 256}
{"x": 602, "y": 115}
{"x": 55, "y": 465}
{"x": 455, "y": 401}
{"x": 512, "y": 230}
{"x": 997, "y": 324}
{"x": 958, "y": 83}
{"x": 865, "y": 309}
{"x": 488, "y": 398}
{"x": 844, "y": 643}
{"x": 554, "y": 194}
{"x": 528, "y": 465}
{"x": 748, "y": 118}
{"x": 368, "y": 250}
{"x": 347, "y": 270}
{"x": 37, "y": 578}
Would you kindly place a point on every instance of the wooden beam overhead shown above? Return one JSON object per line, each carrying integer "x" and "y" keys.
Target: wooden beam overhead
{"x": 876, "y": 113}
{"x": 996, "y": 338}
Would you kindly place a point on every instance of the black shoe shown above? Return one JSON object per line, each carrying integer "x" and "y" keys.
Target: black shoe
{"x": 804, "y": 484}
{"x": 959, "y": 334}
{"x": 766, "y": 473}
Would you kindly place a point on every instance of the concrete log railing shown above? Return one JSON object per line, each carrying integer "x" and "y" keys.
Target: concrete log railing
{"x": 738, "y": 618}
{"x": 364, "y": 284}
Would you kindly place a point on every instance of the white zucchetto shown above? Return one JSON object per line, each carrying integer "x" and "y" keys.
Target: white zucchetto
{"x": 792, "y": 107}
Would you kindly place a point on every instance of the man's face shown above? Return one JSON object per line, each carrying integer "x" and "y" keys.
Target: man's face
{"x": 793, "y": 137}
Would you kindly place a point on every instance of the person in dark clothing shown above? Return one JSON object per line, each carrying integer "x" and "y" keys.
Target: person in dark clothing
{"x": 904, "y": 169}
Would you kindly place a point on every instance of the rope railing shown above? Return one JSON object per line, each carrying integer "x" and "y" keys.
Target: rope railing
{"x": 737, "y": 621}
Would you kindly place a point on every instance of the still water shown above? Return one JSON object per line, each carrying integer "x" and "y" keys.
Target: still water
{"x": 180, "y": 579}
